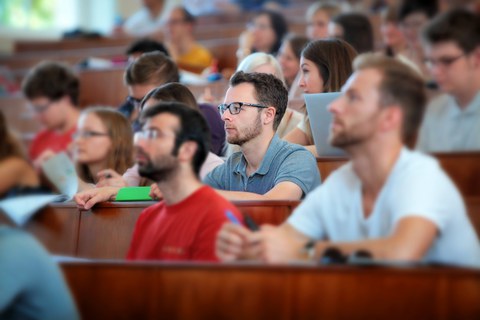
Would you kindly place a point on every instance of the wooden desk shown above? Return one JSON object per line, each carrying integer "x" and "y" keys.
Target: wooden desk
{"x": 216, "y": 291}
{"x": 462, "y": 167}
{"x": 105, "y": 231}
{"x": 326, "y": 165}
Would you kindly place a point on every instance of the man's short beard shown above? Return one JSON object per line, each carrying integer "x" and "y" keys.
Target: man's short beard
{"x": 249, "y": 134}
{"x": 343, "y": 141}
{"x": 151, "y": 172}
{"x": 162, "y": 171}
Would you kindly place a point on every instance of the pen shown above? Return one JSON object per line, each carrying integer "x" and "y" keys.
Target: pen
{"x": 232, "y": 218}
{"x": 250, "y": 223}
{"x": 246, "y": 218}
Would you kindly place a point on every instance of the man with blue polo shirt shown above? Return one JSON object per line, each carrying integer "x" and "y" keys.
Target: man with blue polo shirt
{"x": 267, "y": 168}
{"x": 391, "y": 202}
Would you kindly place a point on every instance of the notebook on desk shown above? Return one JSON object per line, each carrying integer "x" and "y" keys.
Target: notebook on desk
{"x": 320, "y": 119}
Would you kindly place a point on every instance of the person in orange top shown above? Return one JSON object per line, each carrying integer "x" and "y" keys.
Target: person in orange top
{"x": 185, "y": 51}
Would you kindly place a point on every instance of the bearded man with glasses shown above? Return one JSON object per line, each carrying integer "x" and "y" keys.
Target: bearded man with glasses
{"x": 452, "y": 50}
{"x": 267, "y": 168}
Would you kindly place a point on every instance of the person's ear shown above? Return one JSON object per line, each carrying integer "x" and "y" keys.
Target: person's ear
{"x": 269, "y": 115}
{"x": 187, "y": 150}
{"x": 476, "y": 56}
{"x": 392, "y": 117}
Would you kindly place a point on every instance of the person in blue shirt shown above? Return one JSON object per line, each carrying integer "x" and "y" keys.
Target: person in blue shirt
{"x": 266, "y": 168}
{"x": 32, "y": 286}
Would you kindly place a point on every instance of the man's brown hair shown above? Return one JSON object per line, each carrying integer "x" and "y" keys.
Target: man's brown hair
{"x": 400, "y": 85}
{"x": 152, "y": 68}
{"x": 269, "y": 91}
{"x": 52, "y": 80}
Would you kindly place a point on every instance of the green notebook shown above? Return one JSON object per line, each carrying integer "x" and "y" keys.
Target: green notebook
{"x": 133, "y": 194}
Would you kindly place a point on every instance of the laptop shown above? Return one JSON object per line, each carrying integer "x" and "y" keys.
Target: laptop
{"x": 320, "y": 119}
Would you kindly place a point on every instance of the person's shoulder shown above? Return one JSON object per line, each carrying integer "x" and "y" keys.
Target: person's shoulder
{"x": 290, "y": 149}
{"x": 439, "y": 105}
{"x": 417, "y": 160}
{"x": 200, "y": 49}
{"x": 213, "y": 160}
{"x": 42, "y": 135}
{"x": 153, "y": 209}
{"x": 215, "y": 201}
{"x": 17, "y": 240}
{"x": 14, "y": 163}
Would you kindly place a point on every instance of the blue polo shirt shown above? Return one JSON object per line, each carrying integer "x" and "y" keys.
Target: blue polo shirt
{"x": 283, "y": 161}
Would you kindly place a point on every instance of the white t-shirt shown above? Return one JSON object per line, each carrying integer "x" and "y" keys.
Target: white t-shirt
{"x": 142, "y": 24}
{"x": 417, "y": 186}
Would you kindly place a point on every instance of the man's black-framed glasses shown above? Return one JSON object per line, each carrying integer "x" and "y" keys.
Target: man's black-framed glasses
{"x": 236, "y": 107}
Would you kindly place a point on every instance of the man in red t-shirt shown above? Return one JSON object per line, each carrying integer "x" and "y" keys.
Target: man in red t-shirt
{"x": 171, "y": 148}
{"x": 52, "y": 91}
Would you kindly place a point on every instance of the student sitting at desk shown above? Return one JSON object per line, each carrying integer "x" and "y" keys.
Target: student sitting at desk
{"x": 184, "y": 224}
{"x": 325, "y": 67}
{"x": 395, "y": 203}
{"x": 18, "y": 176}
{"x": 266, "y": 168}
{"x": 103, "y": 140}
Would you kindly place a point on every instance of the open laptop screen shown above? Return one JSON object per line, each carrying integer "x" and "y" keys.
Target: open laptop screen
{"x": 320, "y": 119}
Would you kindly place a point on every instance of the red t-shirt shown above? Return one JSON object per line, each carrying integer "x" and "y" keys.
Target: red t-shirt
{"x": 183, "y": 231}
{"x": 48, "y": 139}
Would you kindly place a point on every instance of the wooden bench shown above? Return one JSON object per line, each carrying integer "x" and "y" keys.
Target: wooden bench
{"x": 326, "y": 165}
{"x": 109, "y": 290}
{"x": 462, "y": 167}
{"x": 105, "y": 231}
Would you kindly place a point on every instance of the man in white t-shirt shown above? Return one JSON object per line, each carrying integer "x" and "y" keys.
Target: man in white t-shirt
{"x": 147, "y": 21}
{"x": 392, "y": 202}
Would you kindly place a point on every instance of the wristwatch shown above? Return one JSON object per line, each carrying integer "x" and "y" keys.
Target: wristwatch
{"x": 309, "y": 249}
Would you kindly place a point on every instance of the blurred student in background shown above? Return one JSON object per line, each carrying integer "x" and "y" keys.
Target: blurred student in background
{"x": 354, "y": 28}
{"x": 18, "y": 176}
{"x": 318, "y": 17}
{"x": 264, "y": 34}
{"x": 103, "y": 140}
{"x": 52, "y": 90}
{"x": 325, "y": 67}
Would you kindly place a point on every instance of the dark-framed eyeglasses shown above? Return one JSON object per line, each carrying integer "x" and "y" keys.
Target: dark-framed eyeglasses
{"x": 236, "y": 107}
{"x": 150, "y": 135}
{"x": 87, "y": 134}
{"x": 443, "y": 62}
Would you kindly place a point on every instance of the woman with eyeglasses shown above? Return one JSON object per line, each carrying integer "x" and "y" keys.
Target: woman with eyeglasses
{"x": 103, "y": 140}
{"x": 165, "y": 93}
{"x": 325, "y": 67}
{"x": 18, "y": 176}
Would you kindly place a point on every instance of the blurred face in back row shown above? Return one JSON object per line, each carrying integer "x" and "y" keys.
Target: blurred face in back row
{"x": 264, "y": 36}
{"x": 51, "y": 113}
{"x": 176, "y": 27}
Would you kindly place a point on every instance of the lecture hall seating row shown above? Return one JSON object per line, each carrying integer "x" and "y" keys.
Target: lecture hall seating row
{"x": 105, "y": 231}
{"x": 120, "y": 290}
{"x": 462, "y": 167}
